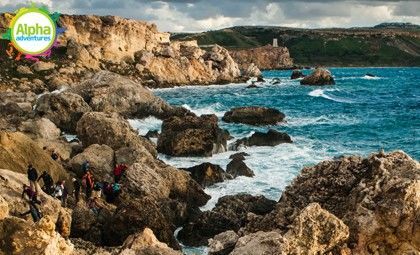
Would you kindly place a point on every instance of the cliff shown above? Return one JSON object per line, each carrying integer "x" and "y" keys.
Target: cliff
{"x": 266, "y": 57}
{"x": 132, "y": 48}
{"x": 384, "y": 45}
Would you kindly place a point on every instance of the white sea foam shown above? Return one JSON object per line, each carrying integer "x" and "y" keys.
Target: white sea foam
{"x": 144, "y": 125}
{"x": 367, "y": 77}
{"x": 322, "y": 93}
{"x": 211, "y": 109}
{"x": 342, "y": 120}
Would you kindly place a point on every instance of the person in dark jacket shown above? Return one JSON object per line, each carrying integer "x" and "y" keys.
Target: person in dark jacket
{"x": 76, "y": 189}
{"x": 88, "y": 183}
{"x": 48, "y": 182}
{"x": 33, "y": 177}
{"x": 34, "y": 211}
{"x": 30, "y": 194}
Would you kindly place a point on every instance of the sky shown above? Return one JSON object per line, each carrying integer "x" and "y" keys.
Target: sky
{"x": 204, "y": 15}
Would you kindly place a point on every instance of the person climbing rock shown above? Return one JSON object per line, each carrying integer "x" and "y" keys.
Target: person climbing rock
{"x": 33, "y": 177}
{"x": 76, "y": 190}
{"x": 119, "y": 171}
{"x": 31, "y": 195}
{"x": 34, "y": 211}
{"x": 48, "y": 182}
{"x": 87, "y": 183}
{"x": 58, "y": 190}
{"x": 85, "y": 166}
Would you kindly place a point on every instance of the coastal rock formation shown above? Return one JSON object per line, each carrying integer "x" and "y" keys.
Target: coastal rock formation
{"x": 239, "y": 155}
{"x": 318, "y": 77}
{"x": 265, "y": 58}
{"x": 112, "y": 130}
{"x": 207, "y": 174}
{"x": 192, "y": 136}
{"x": 64, "y": 109}
{"x": 296, "y": 74}
{"x": 230, "y": 213}
{"x": 110, "y": 92}
{"x": 237, "y": 167}
{"x": 254, "y": 115}
{"x": 376, "y": 197}
{"x": 271, "y": 138}
{"x": 223, "y": 243}
{"x": 261, "y": 243}
{"x": 41, "y": 128}
{"x": 17, "y": 151}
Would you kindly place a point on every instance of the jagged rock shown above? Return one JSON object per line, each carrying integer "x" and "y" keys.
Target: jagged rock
{"x": 239, "y": 155}
{"x": 146, "y": 243}
{"x": 238, "y": 168}
{"x": 251, "y": 71}
{"x": 252, "y": 86}
{"x": 265, "y": 58}
{"x": 24, "y": 70}
{"x": 40, "y": 66}
{"x": 110, "y": 92}
{"x": 41, "y": 128}
{"x": 296, "y": 74}
{"x": 27, "y": 239}
{"x": 254, "y": 115}
{"x": 318, "y": 77}
{"x": 101, "y": 161}
{"x": 376, "y": 197}
{"x": 152, "y": 134}
{"x": 17, "y": 151}
{"x": 192, "y": 136}
{"x": 112, "y": 130}
{"x": 207, "y": 174}
{"x": 271, "y": 138}
{"x": 64, "y": 109}
{"x": 230, "y": 213}
{"x": 223, "y": 243}
{"x": 262, "y": 243}
{"x": 4, "y": 208}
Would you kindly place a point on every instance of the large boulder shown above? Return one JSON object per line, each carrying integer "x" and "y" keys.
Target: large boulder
{"x": 230, "y": 213}
{"x": 376, "y": 197}
{"x": 254, "y": 115}
{"x": 318, "y": 77}
{"x": 17, "y": 151}
{"x": 112, "y": 130}
{"x": 101, "y": 161}
{"x": 192, "y": 136}
{"x": 271, "y": 138}
{"x": 40, "y": 128}
{"x": 64, "y": 109}
{"x": 207, "y": 174}
{"x": 237, "y": 167}
{"x": 262, "y": 243}
{"x": 296, "y": 74}
{"x": 223, "y": 243}
{"x": 110, "y": 92}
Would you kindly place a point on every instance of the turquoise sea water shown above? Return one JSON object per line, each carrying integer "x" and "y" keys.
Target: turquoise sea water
{"x": 358, "y": 115}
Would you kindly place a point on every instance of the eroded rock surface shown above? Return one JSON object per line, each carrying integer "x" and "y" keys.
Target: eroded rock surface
{"x": 254, "y": 115}
{"x": 318, "y": 77}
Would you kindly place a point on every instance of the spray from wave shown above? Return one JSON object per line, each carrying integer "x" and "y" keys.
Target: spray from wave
{"x": 324, "y": 94}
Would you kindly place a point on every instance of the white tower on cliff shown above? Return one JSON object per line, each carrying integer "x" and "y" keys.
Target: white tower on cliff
{"x": 275, "y": 43}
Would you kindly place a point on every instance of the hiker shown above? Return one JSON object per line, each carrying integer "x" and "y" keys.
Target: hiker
{"x": 97, "y": 190}
{"x": 119, "y": 170}
{"x": 33, "y": 177}
{"x": 93, "y": 205}
{"x": 48, "y": 182}
{"x": 34, "y": 211}
{"x": 76, "y": 190}
{"x": 31, "y": 194}
{"x": 58, "y": 190}
{"x": 85, "y": 166}
{"x": 87, "y": 183}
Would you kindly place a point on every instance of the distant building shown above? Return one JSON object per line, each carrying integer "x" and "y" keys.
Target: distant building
{"x": 275, "y": 43}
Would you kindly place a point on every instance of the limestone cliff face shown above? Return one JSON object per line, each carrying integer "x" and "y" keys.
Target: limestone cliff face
{"x": 266, "y": 57}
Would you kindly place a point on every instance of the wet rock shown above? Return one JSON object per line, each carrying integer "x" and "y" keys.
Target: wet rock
{"x": 101, "y": 161}
{"x": 254, "y": 115}
{"x": 275, "y": 81}
{"x": 370, "y": 75}
{"x": 192, "y": 136}
{"x": 296, "y": 74}
{"x": 112, "y": 130}
{"x": 376, "y": 197}
{"x": 261, "y": 243}
{"x": 207, "y": 174}
{"x": 239, "y": 155}
{"x": 238, "y": 168}
{"x": 252, "y": 86}
{"x": 63, "y": 109}
{"x": 271, "y": 138}
{"x": 260, "y": 79}
{"x": 223, "y": 243}
{"x": 230, "y": 213}
{"x": 318, "y": 77}
{"x": 152, "y": 134}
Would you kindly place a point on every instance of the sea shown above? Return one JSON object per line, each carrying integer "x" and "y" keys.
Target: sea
{"x": 359, "y": 115}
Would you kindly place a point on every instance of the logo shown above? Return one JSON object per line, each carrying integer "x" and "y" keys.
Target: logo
{"x": 33, "y": 32}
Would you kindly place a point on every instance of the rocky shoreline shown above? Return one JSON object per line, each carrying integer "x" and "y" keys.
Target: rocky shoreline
{"x": 349, "y": 205}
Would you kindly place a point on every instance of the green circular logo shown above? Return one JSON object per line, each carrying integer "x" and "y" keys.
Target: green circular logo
{"x": 32, "y": 31}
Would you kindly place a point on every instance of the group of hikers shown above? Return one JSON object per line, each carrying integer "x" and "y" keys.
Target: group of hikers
{"x": 93, "y": 189}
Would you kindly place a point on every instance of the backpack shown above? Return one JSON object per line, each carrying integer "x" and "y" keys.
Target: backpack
{"x": 98, "y": 186}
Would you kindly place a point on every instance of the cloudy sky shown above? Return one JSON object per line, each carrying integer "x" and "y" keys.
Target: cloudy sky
{"x": 202, "y": 15}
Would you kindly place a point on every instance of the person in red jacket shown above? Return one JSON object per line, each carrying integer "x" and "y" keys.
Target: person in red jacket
{"x": 119, "y": 170}
{"x": 87, "y": 183}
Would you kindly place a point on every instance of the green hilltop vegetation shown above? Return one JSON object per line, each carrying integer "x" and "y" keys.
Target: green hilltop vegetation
{"x": 387, "y": 44}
